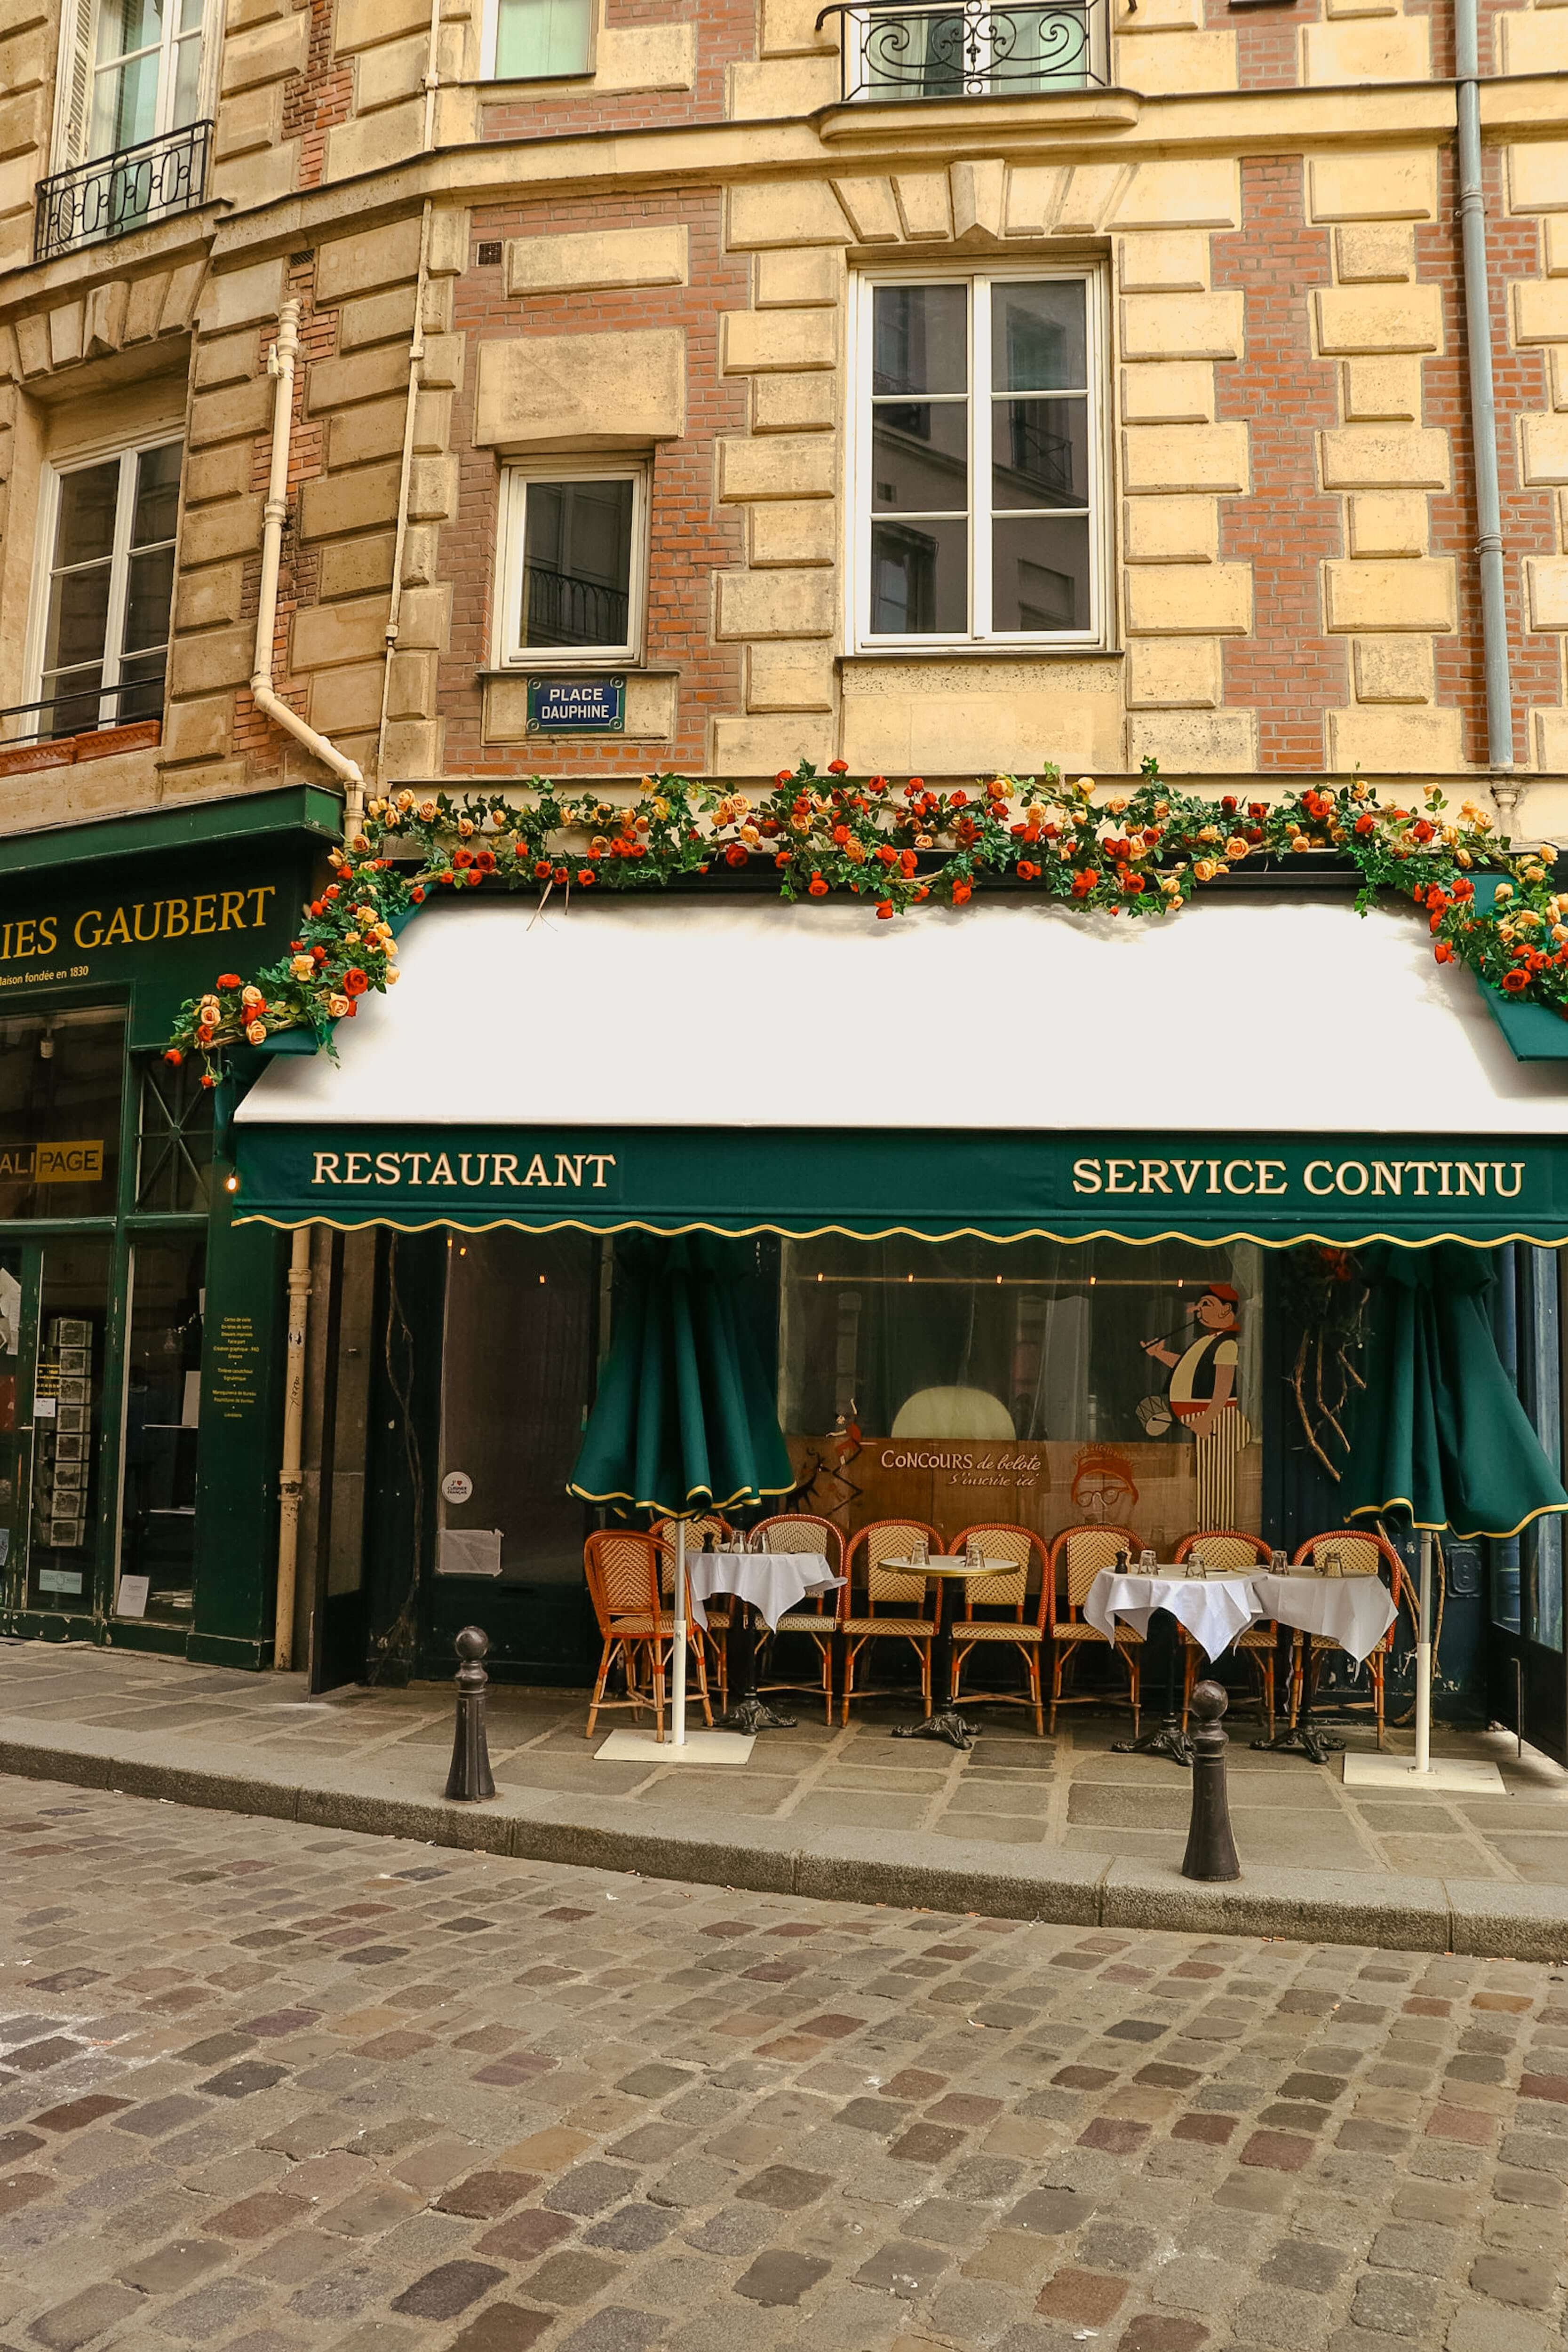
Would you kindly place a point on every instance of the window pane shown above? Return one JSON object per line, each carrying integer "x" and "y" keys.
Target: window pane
{"x": 70, "y": 701}
{"x": 1039, "y": 574}
{"x": 919, "y": 458}
{"x": 1039, "y": 451}
{"x": 124, "y": 25}
{"x": 920, "y": 579}
{"x": 60, "y": 1078}
{"x": 578, "y": 564}
{"x": 85, "y": 531}
{"x": 147, "y": 593}
{"x": 68, "y": 1417}
{"x": 1038, "y": 49}
{"x": 163, "y": 1399}
{"x": 157, "y": 495}
{"x": 535, "y": 37}
{"x": 79, "y": 611}
{"x": 187, "y": 81}
{"x": 1038, "y": 337}
{"x": 175, "y": 1147}
{"x": 920, "y": 337}
{"x": 125, "y": 105}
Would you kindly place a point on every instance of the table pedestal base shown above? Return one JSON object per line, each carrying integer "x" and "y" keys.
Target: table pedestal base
{"x": 753, "y": 1714}
{"x": 1308, "y": 1740}
{"x": 1170, "y": 1740}
{"x": 948, "y": 1726}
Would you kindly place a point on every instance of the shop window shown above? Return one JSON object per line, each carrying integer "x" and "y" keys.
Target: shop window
{"x": 102, "y": 619}
{"x": 162, "y": 1402}
{"x": 174, "y": 1168}
{"x": 572, "y": 563}
{"x": 538, "y": 40}
{"x": 61, "y": 1081}
{"x": 978, "y": 503}
{"x": 518, "y": 1362}
{"x": 68, "y": 1422}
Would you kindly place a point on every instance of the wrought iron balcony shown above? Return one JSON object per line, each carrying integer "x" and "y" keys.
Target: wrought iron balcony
{"x": 968, "y": 50}
{"x": 113, "y": 195}
{"x": 86, "y": 709}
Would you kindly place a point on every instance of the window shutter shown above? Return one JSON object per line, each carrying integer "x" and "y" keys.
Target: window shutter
{"x": 74, "y": 104}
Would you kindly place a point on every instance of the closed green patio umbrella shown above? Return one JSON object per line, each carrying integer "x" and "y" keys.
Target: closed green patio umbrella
{"x": 684, "y": 1420}
{"x": 1439, "y": 1431}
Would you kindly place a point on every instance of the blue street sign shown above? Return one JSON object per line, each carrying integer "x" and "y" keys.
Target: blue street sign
{"x": 576, "y": 706}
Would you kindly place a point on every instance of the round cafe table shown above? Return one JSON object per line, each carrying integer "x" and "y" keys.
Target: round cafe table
{"x": 946, "y": 1723}
{"x": 770, "y": 1582}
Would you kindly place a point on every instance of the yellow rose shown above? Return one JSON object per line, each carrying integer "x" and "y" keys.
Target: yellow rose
{"x": 1463, "y": 857}
{"x": 1205, "y": 869}
{"x": 1504, "y": 891}
{"x": 256, "y": 1031}
{"x": 1117, "y": 805}
{"x": 303, "y": 968}
{"x": 661, "y": 808}
{"x": 1171, "y": 886}
{"x": 855, "y": 851}
{"x": 1302, "y": 842}
{"x": 1505, "y": 931}
{"x": 924, "y": 841}
{"x": 336, "y": 1006}
{"x": 465, "y": 826}
{"x": 250, "y": 996}
{"x": 1236, "y": 846}
{"x": 1084, "y": 787}
{"x": 1161, "y": 808}
{"x": 393, "y": 975}
{"x": 428, "y": 812}
{"x": 1359, "y": 792}
{"x": 1208, "y": 833}
{"x": 373, "y": 808}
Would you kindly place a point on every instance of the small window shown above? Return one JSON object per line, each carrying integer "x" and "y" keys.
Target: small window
{"x": 571, "y": 565}
{"x": 104, "y": 617}
{"x": 979, "y": 509}
{"x": 538, "y": 40}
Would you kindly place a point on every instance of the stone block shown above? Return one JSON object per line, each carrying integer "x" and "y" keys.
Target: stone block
{"x": 776, "y": 604}
{"x": 1189, "y": 599}
{"x": 374, "y": 374}
{"x": 424, "y": 618}
{"x": 1194, "y": 743}
{"x": 241, "y": 297}
{"x": 1355, "y": 318}
{"x": 616, "y": 390}
{"x": 345, "y": 700}
{"x": 246, "y": 182}
{"x": 265, "y": 53}
{"x": 1554, "y": 241}
{"x": 208, "y": 599}
{"x": 227, "y": 359}
{"x": 760, "y": 746}
{"x": 1537, "y": 175}
{"x": 1395, "y": 743}
{"x": 1545, "y": 449}
{"x": 778, "y": 466}
{"x": 1374, "y": 252}
{"x": 586, "y": 260}
{"x": 441, "y": 368}
{"x": 1180, "y": 62}
{"x": 789, "y": 530}
{"x": 1383, "y": 458}
{"x": 107, "y": 306}
{"x": 772, "y": 342}
{"x": 67, "y": 331}
{"x": 785, "y": 280}
{"x": 1161, "y": 17}
{"x": 1387, "y": 48}
{"x": 1540, "y": 310}
{"x": 783, "y": 676}
{"x": 924, "y": 206}
{"x": 1185, "y": 457}
{"x": 378, "y": 256}
{"x": 1535, "y": 41}
{"x": 1375, "y": 597}
{"x": 1035, "y": 192}
{"x": 203, "y": 663}
{"x": 1393, "y": 669}
{"x": 338, "y": 503}
{"x": 1183, "y": 326}
{"x": 1174, "y": 674}
{"x": 376, "y": 319}
{"x": 1170, "y": 531}
{"x": 240, "y": 13}
{"x": 373, "y": 429}
{"x": 872, "y": 210}
{"x": 1175, "y": 392}
{"x": 373, "y": 142}
{"x": 1372, "y": 183}
{"x": 446, "y": 252}
{"x": 789, "y": 30}
{"x": 647, "y": 56}
{"x": 352, "y": 567}
{"x": 1086, "y": 197}
{"x": 793, "y": 404}
{"x": 433, "y": 490}
{"x": 239, "y": 412}
{"x": 1389, "y": 524}
{"x": 412, "y": 748}
{"x": 362, "y": 24}
{"x": 391, "y": 74}
{"x": 1548, "y": 588}
{"x": 199, "y": 730}
{"x": 1379, "y": 390}
{"x": 248, "y": 120}
{"x": 948, "y": 728}
{"x": 790, "y": 212}
{"x": 978, "y": 194}
{"x": 1557, "y": 364}
{"x": 227, "y": 528}
{"x": 221, "y": 473}
{"x": 1196, "y": 191}
{"x": 1164, "y": 261}
{"x": 326, "y": 633}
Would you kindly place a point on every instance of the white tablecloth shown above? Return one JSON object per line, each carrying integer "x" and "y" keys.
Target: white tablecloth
{"x": 1355, "y": 1612}
{"x": 1214, "y": 1609}
{"x": 773, "y": 1581}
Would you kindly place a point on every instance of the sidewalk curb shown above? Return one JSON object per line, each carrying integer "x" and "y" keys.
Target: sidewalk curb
{"x": 1490, "y": 1917}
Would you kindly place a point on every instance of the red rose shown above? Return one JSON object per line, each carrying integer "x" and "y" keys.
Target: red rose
{"x": 208, "y": 1078}
{"x": 355, "y": 982}
{"x": 907, "y": 860}
{"x": 785, "y": 776}
{"x": 485, "y": 861}
{"x": 1515, "y": 981}
{"x": 1132, "y": 884}
{"x": 1363, "y": 823}
{"x": 1027, "y": 870}
{"x": 1230, "y": 803}
{"x": 887, "y": 856}
{"x": 316, "y": 909}
{"x": 330, "y": 891}
{"x": 542, "y": 869}
{"x": 735, "y": 855}
{"x": 474, "y": 880}
{"x": 585, "y": 876}
{"x": 838, "y": 767}
{"x": 884, "y": 909}
{"x": 319, "y": 955}
{"x": 1083, "y": 882}
{"x": 1443, "y": 952}
{"x": 229, "y": 979}
{"x": 840, "y": 835}
{"x": 817, "y": 887}
{"x": 917, "y": 784}
{"x": 418, "y": 893}
{"x": 781, "y": 859}
{"x": 1423, "y": 831}
{"x": 174, "y": 1055}
{"x": 925, "y": 890}
{"x": 960, "y": 891}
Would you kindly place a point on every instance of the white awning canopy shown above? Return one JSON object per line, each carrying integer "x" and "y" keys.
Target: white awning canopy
{"x": 1285, "y": 1014}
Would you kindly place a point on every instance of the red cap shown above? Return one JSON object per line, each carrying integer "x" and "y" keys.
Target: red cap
{"x": 1223, "y": 1290}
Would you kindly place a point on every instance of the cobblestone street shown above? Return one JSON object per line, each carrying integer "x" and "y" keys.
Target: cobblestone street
{"x": 263, "y": 2086}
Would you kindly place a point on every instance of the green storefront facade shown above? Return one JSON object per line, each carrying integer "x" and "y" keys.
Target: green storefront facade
{"x": 141, "y": 1331}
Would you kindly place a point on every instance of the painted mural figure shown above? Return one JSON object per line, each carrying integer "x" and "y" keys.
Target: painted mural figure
{"x": 1204, "y": 1399}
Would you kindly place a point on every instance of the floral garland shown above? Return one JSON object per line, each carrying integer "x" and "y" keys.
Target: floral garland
{"x": 1142, "y": 852}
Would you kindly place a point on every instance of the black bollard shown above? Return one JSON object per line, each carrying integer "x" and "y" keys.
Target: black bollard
{"x": 469, "y": 1778}
{"x": 1211, "y": 1848}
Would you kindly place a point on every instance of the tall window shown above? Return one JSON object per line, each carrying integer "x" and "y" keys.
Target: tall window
{"x": 572, "y": 563}
{"x": 104, "y": 619}
{"x": 131, "y": 70}
{"x": 978, "y": 498}
{"x": 538, "y": 40}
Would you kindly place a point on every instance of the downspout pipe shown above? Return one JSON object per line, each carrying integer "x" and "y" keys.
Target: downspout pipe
{"x": 405, "y": 478}
{"x": 1483, "y": 398}
{"x": 269, "y": 701}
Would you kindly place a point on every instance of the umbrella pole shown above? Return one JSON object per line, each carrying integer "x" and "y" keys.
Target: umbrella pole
{"x": 1423, "y": 1661}
{"x": 678, "y": 1689}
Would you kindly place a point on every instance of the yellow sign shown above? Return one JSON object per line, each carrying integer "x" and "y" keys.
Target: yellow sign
{"x": 54, "y": 1163}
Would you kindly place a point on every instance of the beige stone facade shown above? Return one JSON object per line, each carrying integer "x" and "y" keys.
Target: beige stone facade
{"x": 662, "y": 261}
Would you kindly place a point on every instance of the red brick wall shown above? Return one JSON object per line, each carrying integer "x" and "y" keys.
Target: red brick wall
{"x": 1287, "y": 669}
{"x": 690, "y": 537}
{"x": 1267, "y": 40}
{"x": 317, "y": 98}
{"x": 726, "y": 30}
{"x": 1513, "y": 252}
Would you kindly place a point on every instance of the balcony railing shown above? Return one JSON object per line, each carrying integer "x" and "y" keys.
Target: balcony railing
{"x": 969, "y": 50}
{"x": 84, "y": 709}
{"x": 113, "y": 195}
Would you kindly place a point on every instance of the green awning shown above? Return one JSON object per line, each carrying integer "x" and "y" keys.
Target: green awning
{"x": 936, "y": 1183}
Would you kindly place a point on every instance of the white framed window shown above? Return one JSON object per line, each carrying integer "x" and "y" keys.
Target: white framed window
{"x": 537, "y": 40}
{"x": 573, "y": 563}
{"x": 104, "y": 586}
{"x": 129, "y": 70}
{"x": 979, "y": 504}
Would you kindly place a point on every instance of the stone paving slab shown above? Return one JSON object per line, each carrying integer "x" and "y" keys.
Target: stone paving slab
{"x": 269, "y": 2088}
{"x": 1061, "y": 1829}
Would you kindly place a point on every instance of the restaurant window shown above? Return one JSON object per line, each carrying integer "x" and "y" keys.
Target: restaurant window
{"x": 103, "y": 618}
{"x": 537, "y": 40}
{"x": 61, "y": 1080}
{"x": 978, "y": 500}
{"x": 571, "y": 562}
{"x": 162, "y": 1410}
{"x": 174, "y": 1144}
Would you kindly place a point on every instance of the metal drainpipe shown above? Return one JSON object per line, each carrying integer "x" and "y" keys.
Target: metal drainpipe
{"x": 1483, "y": 403}
{"x": 410, "y": 415}
{"x": 290, "y": 1482}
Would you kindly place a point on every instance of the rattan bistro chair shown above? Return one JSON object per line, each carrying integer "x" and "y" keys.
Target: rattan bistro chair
{"x": 709, "y": 1533}
{"x": 1233, "y": 1551}
{"x": 622, "y": 1568}
{"x": 1078, "y": 1556}
{"x": 818, "y": 1614}
{"x": 1362, "y": 1552}
{"x": 903, "y": 1595}
{"x": 1018, "y": 1552}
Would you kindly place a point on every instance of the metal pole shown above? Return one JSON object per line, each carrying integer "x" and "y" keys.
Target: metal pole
{"x": 1423, "y": 1661}
{"x": 678, "y": 1688}
{"x": 469, "y": 1781}
{"x": 1483, "y": 401}
{"x": 1211, "y": 1845}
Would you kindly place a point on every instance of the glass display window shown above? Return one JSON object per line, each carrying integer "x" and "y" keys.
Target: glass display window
{"x": 62, "y": 1078}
